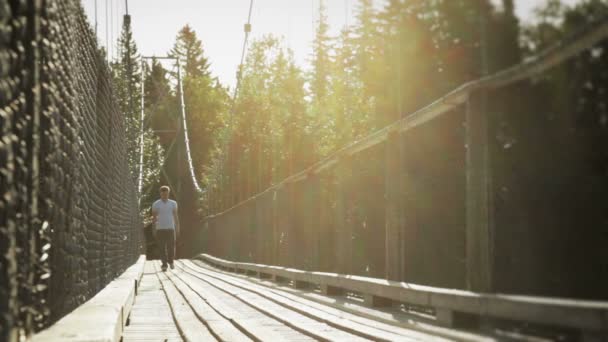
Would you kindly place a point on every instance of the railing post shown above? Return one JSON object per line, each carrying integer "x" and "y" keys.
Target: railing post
{"x": 276, "y": 222}
{"x": 393, "y": 202}
{"x": 343, "y": 226}
{"x": 312, "y": 222}
{"x": 478, "y": 196}
{"x": 295, "y": 243}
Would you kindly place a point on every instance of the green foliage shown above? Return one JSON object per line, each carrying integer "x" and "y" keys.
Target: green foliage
{"x": 127, "y": 78}
{"x": 127, "y": 82}
{"x": 205, "y": 98}
{"x": 270, "y": 137}
{"x": 389, "y": 63}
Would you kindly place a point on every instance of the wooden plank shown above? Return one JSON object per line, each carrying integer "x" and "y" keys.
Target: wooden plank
{"x": 361, "y": 327}
{"x": 478, "y": 197}
{"x": 151, "y": 317}
{"x": 388, "y": 319}
{"x": 102, "y": 318}
{"x": 191, "y": 328}
{"x": 219, "y": 325}
{"x": 275, "y": 313}
{"x": 252, "y": 322}
{"x": 284, "y": 314}
{"x": 398, "y": 322}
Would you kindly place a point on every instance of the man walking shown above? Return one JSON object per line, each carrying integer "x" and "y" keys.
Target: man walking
{"x": 164, "y": 212}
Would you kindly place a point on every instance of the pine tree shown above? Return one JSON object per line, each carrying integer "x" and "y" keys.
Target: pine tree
{"x": 410, "y": 70}
{"x": 127, "y": 80}
{"x": 319, "y": 84}
{"x": 189, "y": 49}
{"x": 161, "y": 105}
{"x": 462, "y": 36}
{"x": 365, "y": 38}
{"x": 205, "y": 98}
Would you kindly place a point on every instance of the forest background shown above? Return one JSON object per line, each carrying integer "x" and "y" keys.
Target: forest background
{"x": 389, "y": 62}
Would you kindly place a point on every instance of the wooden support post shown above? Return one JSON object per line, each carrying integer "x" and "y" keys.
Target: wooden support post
{"x": 376, "y": 302}
{"x": 393, "y": 221}
{"x": 453, "y": 319}
{"x": 478, "y": 196}
{"x": 298, "y": 284}
{"x": 274, "y": 254}
{"x": 263, "y": 275}
{"x": 279, "y": 279}
{"x": 343, "y": 226}
{"x": 296, "y": 245}
{"x": 266, "y": 225}
{"x": 331, "y": 290}
{"x": 311, "y": 222}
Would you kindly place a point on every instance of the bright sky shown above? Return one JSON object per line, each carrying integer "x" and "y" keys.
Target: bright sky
{"x": 219, "y": 24}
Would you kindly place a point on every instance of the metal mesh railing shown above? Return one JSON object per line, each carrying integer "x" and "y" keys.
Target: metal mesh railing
{"x": 69, "y": 220}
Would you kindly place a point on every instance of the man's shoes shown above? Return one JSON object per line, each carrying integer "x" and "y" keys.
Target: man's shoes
{"x": 171, "y": 265}
{"x": 164, "y": 268}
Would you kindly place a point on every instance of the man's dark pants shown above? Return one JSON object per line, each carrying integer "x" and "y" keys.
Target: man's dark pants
{"x": 166, "y": 242}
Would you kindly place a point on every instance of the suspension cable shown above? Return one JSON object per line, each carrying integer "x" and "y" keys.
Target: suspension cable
{"x": 247, "y": 29}
{"x": 243, "y": 51}
{"x": 141, "y": 134}
{"x": 111, "y": 47}
{"x": 185, "y": 126}
{"x": 107, "y": 35}
{"x": 96, "y": 36}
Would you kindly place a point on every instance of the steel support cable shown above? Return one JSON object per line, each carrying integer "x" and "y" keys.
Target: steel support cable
{"x": 141, "y": 135}
{"x": 96, "y": 19}
{"x": 243, "y": 51}
{"x": 227, "y": 139}
{"x": 184, "y": 124}
{"x": 107, "y": 35}
{"x": 186, "y": 139}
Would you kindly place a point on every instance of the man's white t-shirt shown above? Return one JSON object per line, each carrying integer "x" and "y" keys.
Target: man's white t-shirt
{"x": 164, "y": 213}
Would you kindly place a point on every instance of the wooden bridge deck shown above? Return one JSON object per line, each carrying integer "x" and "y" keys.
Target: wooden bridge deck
{"x": 217, "y": 300}
{"x": 196, "y": 302}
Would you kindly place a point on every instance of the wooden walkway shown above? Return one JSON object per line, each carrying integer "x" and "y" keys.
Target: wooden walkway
{"x": 219, "y": 300}
{"x": 196, "y": 302}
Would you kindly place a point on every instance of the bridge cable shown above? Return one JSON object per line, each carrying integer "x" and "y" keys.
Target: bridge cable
{"x": 96, "y": 19}
{"x": 111, "y": 29}
{"x": 141, "y": 134}
{"x": 247, "y": 29}
{"x": 107, "y": 35}
{"x": 185, "y": 127}
{"x": 243, "y": 51}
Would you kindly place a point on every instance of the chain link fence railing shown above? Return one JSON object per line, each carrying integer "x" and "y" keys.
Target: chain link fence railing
{"x": 69, "y": 220}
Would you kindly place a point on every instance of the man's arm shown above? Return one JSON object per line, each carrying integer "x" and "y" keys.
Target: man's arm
{"x": 176, "y": 220}
{"x": 154, "y": 214}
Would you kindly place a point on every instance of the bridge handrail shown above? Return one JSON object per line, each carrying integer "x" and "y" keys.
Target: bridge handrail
{"x": 103, "y": 317}
{"x": 585, "y": 315}
{"x": 547, "y": 59}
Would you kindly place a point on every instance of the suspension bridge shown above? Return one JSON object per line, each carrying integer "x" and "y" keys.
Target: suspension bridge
{"x": 429, "y": 261}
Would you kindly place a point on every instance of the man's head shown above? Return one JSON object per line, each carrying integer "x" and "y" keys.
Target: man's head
{"x": 164, "y": 192}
